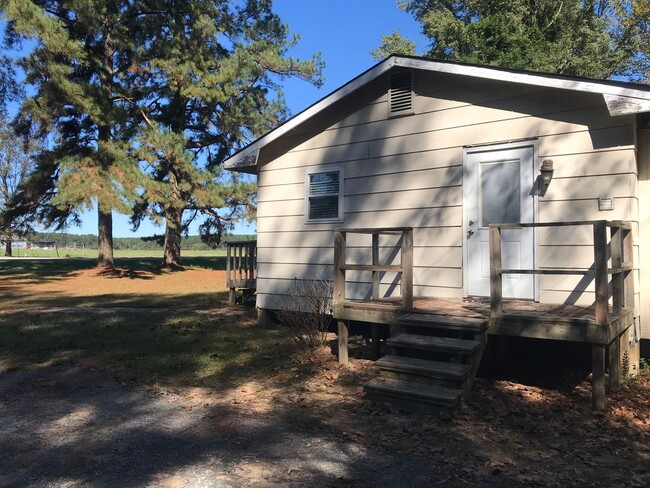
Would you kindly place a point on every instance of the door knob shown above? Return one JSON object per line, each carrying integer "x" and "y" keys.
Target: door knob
{"x": 470, "y": 233}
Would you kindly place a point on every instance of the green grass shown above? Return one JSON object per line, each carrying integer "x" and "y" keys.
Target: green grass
{"x": 188, "y": 350}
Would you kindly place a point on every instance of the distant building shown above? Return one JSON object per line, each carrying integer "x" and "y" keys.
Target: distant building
{"x": 18, "y": 244}
{"x": 44, "y": 245}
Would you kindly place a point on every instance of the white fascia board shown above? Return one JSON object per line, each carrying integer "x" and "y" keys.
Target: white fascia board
{"x": 535, "y": 79}
{"x": 619, "y": 105}
{"x": 245, "y": 158}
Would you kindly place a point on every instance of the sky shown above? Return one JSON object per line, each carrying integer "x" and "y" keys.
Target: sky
{"x": 344, "y": 32}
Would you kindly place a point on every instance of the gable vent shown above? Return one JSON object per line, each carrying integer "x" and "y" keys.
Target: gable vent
{"x": 401, "y": 94}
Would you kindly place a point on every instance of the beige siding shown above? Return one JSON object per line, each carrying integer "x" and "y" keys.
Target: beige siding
{"x": 408, "y": 171}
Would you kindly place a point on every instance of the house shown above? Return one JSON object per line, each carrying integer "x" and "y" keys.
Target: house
{"x": 47, "y": 245}
{"x": 410, "y": 167}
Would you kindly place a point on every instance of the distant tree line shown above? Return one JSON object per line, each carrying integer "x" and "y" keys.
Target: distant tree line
{"x": 89, "y": 241}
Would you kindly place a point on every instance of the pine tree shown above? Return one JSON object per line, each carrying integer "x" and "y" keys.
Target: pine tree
{"x": 81, "y": 70}
{"x": 394, "y": 43}
{"x": 209, "y": 69}
{"x": 592, "y": 38}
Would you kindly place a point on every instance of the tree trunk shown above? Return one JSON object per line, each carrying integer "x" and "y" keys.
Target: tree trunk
{"x": 104, "y": 238}
{"x": 8, "y": 248}
{"x": 172, "y": 247}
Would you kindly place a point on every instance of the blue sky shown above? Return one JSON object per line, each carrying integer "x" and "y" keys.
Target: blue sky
{"x": 344, "y": 32}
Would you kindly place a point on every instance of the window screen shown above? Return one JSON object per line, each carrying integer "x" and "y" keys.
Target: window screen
{"x": 324, "y": 195}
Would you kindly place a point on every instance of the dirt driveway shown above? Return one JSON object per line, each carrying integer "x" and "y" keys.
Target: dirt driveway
{"x": 67, "y": 425}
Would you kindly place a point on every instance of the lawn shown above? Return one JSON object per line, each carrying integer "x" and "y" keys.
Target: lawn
{"x": 174, "y": 337}
{"x": 164, "y": 348}
{"x": 174, "y": 326}
{"x": 135, "y": 282}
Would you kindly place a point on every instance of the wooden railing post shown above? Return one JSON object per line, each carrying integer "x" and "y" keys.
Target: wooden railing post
{"x": 228, "y": 265}
{"x": 618, "y": 300}
{"x": 600, "y": 272}
{"x": 602, "y": 295}
{"x": 628, "y": 258}
{"x": 496, "y": 279}
{"x": 618, "y": 283}
{"x": 339, "y": 267}
{"x": 229, "y": 284}
{"x": 375, "y": 262}
{"x": 407, "y": 269}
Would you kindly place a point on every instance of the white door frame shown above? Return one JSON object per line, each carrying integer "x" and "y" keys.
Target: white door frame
{"x": 533, "y": 143}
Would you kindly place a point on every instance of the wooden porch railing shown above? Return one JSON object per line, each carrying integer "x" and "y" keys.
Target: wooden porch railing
{"x": 405, "y": 268}
{"x": 241, "y": 266}
{"x": 616, "y": 247}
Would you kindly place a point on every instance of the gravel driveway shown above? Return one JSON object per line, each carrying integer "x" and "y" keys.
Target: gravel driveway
{"x": 67, "y": 426}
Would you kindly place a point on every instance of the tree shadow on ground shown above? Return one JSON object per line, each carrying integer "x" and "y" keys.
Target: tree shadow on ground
{"x": 164, "y": 301}
{"x": 266, "y": 413}
{"x": 53, "y": 268}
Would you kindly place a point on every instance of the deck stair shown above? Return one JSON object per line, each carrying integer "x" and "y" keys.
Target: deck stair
{"x": 432, "y": 363}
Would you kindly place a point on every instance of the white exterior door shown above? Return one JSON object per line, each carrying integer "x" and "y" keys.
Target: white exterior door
{"x": 499, "y": 188}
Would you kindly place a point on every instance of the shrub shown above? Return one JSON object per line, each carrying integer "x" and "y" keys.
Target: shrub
{"x": 307, "y": 312}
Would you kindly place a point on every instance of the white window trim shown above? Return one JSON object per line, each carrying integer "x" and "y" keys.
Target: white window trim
{"x": 341, "y": 193}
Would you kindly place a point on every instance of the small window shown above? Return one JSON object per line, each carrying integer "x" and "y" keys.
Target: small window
{"x": 401, "y": 94}
{"x": 324, "y": 199}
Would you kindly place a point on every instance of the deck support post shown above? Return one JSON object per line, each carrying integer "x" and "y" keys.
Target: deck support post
{"x": 231, "y": 297}
{"x": 376, "y": 346}
{"x": 614, "y": 350}
{"x": 343, "y": 341}
{"x": 598, "y": 377}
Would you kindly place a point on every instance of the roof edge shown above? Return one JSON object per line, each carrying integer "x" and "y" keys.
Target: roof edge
{"x": 243, "y": 160}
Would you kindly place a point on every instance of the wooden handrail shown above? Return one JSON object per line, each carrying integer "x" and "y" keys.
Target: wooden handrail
{"x": 608, "y": 223}
{"x": 405, "y": 268}
{"x": 621, "y": 252}
{"x": 241, "y": 264}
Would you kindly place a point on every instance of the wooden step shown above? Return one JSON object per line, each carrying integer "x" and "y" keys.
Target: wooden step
{"x": 424, "y": 367}
{"x": 466, "y": 324}
{"x": 413, "y": 395}
{"x": 432, "y": 343}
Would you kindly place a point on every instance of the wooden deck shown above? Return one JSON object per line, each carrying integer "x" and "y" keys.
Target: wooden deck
{"x": 601, "y": 325}
{"x": 520, "y": 318}
{"x": 241, "y": 269}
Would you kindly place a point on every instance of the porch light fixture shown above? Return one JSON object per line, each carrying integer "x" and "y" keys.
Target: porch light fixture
{"x": 546, "y": 171}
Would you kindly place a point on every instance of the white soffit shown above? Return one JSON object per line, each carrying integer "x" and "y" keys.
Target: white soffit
{"x": 620, "y": 99}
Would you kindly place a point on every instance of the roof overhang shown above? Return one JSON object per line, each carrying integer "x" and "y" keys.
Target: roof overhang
{"x": 621, "y": 98}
